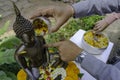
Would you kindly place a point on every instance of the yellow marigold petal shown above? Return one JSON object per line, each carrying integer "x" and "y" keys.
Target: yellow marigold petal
{"x": 68, "y": 78}
{"x": 76, "y": 70}
{"x": 72, "y": 71}
{"x": 21, "y": 75}
{"x": 75, "y": 77}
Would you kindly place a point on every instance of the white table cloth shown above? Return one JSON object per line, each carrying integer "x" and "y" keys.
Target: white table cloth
{"x": 77, "y": 38}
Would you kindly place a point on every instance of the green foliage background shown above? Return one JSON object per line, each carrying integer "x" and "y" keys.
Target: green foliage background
{"x": 7, "y": 63}
{"x": 8, "y": 66}
{"x": 4, "y": 28}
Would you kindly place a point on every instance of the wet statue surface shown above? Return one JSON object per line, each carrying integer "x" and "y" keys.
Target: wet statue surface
{"x": 31, "y": 48}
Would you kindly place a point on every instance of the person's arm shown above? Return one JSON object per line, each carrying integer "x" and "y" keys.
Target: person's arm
{"x": 105, "y": 22}
{"x": 99, "y": 69}
{"x": 100, "y": 7}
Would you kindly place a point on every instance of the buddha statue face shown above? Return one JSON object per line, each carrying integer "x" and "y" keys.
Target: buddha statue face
{"x": 28, "y": 40}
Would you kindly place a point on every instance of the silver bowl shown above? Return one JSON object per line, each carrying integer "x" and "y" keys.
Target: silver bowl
{"x": 92, "y": 49}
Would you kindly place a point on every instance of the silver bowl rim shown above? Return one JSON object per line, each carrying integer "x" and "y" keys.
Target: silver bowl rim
{"x": 93, "y": 46}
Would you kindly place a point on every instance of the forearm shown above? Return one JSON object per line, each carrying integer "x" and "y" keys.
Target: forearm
{"x": 99, "y": 69}
{"x": 100, "y": 7}
{"x": 110, "y": 18}
{"x": 118, "y": 15}
{"x": 21, "y": 61}
{"x": 19, "y": 56}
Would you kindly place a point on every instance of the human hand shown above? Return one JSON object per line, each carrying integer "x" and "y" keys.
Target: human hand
{"x": 104, "y": 23}
{"x": 68, "y": 50}
{"x": 61, "y": 14}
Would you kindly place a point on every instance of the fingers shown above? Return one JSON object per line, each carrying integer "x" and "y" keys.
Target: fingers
{"x": 56, "y": 27}
{"x": 47, "y": 12}
{"x": 57, "y": 44}
{"x": 100, "y": 26}
{"x": 97, "y": 27}
{"x": 36, "y": 14}
{"x": 59, "y": 22}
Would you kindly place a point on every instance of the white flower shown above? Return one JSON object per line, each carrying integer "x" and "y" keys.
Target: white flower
{"x": 58, "y": 71}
